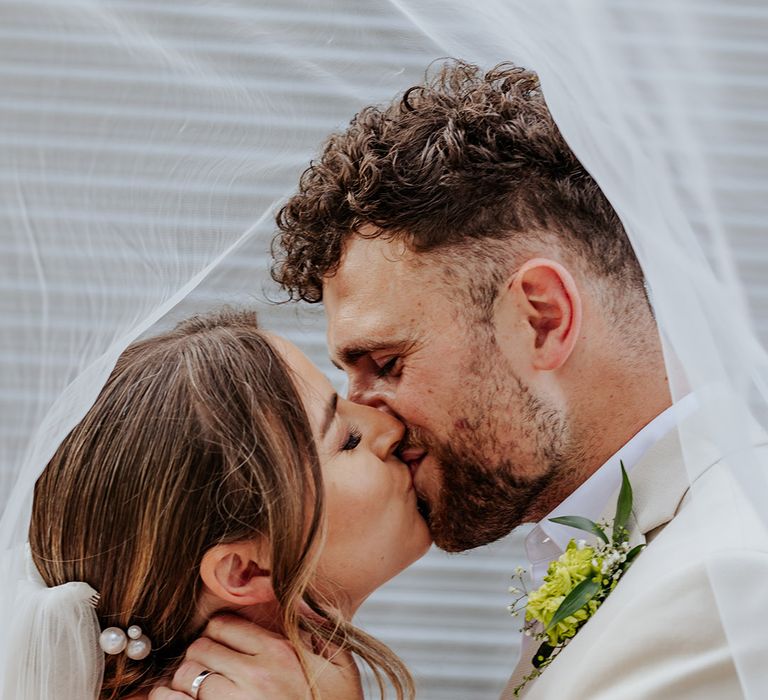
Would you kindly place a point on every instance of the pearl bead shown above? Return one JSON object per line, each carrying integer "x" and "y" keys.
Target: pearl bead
{"x": 113, "y": 640}
{"x": 139, "y": 649}
{"x": 134, "y": 631}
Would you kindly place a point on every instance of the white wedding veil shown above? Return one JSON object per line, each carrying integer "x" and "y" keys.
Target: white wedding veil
{"x": 145, "y": 146}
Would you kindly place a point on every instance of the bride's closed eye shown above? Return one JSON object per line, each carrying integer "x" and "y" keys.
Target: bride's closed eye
{"x": 352, "y": 440}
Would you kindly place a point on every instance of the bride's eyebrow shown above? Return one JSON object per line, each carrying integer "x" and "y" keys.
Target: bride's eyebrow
{"x": 330, "y": 414}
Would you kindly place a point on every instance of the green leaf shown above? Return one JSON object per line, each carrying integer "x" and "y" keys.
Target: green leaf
{"x": 542, "y": 654}
{"x": 623, "y": 506}
{"x": 575, "y": 600}
{"x": 581, "y": 524}
{"x": 632, "y": 553}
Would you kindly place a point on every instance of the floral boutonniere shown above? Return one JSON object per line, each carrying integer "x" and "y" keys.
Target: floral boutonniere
{"x": 576, "y": 584}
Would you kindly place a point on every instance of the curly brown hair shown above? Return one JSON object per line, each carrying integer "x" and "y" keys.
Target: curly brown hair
{"x": 466, "y": 157}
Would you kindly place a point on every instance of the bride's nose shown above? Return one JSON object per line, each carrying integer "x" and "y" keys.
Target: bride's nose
{"x": 386, "y": 431}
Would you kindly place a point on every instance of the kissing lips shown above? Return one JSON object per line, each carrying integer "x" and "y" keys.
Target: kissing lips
{"x": 413, "y": 457}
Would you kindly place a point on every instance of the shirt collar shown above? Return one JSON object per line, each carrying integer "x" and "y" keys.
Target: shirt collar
{"x": 547, "y": 540}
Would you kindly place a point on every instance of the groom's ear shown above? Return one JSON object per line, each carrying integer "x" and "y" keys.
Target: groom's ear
{"x": 238, "y": 573}
{"x": 548, "y": 310}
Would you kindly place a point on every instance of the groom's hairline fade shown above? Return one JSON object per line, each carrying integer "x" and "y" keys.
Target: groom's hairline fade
{"x": 457, "y": 163}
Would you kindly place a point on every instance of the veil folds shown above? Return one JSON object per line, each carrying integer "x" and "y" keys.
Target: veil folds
{"x": 145, "y": 146}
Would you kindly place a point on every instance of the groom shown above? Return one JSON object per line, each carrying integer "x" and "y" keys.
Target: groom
{"x": 480, "y": 287}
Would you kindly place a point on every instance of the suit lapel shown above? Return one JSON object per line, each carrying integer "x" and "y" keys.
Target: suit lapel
{"x": 660, "y": 480}
{"x": 660, "y": 483}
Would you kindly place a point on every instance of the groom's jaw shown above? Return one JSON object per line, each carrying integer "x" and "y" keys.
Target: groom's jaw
{"x": 423, "y": 508}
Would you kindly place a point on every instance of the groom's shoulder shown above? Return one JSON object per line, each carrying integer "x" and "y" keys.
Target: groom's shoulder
{"x": 716, "y": 516}
{"x": 717, "y": 520}
{"x": 660, "y": 633}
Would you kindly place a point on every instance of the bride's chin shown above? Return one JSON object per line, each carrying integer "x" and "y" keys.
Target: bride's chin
{"x": 424, "y": 545}
{"x": 424, "y": 549}
{"x": 416, "y": 550}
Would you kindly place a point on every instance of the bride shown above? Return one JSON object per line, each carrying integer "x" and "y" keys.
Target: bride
{"x": 214, "y": 473}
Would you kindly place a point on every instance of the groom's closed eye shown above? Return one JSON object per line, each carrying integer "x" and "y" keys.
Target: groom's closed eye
{"x": 351, "y": 354}
{"x": 391, "y": 366}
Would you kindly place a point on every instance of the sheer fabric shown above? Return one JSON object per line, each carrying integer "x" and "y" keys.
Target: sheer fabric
{"x": 665, "y": 103}
{"x": 55, "y": 641}
{"x": 114, "y": 209}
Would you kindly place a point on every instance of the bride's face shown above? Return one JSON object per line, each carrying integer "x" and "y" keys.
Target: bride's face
{"x": 374, "y": 529}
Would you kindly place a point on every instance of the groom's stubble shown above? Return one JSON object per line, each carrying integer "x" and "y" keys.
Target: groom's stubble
{"x": 500, "y": 470}
{"x": 469, "y": 167}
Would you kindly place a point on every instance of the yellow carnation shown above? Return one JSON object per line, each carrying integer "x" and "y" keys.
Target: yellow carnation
{"x": 575, "y": 565}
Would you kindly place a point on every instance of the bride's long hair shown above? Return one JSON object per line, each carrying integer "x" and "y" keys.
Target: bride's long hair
{"x": 198, "y": 438}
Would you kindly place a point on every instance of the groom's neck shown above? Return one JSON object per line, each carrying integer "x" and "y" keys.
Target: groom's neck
{"x": 602, "y": 421}
{"x": 624, "y": 405}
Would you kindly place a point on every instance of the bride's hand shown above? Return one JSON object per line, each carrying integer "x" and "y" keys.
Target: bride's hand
{"x": 251, "y": 663}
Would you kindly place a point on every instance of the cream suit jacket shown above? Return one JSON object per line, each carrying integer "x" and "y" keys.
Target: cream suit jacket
{"x": 659, "y": 634}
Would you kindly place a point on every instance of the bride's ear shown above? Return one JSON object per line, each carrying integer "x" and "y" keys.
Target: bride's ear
{"x": 238, "y": 573}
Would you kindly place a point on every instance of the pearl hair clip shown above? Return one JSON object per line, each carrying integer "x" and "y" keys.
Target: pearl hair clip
{"x": 136, "y": 644}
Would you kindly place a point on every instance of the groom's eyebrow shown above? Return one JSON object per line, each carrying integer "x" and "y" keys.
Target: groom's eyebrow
{"x": 330, "y": 414}
{"x": 352, "y": 354}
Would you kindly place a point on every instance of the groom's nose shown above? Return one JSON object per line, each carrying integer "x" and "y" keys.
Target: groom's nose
{"x": 371, "y": 395}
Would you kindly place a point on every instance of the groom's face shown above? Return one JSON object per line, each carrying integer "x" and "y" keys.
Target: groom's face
{"x": 481, "y": 445}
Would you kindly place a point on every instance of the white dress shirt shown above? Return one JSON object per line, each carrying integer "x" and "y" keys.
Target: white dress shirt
{"x": 548, "y": 540}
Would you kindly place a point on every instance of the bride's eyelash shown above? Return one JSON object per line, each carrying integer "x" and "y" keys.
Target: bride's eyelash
{"x": 354, "y": 436}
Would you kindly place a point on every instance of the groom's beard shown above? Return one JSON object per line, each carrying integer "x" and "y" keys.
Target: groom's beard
{"x": 484, "y": 493}
{"x": 478, "y": 504}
